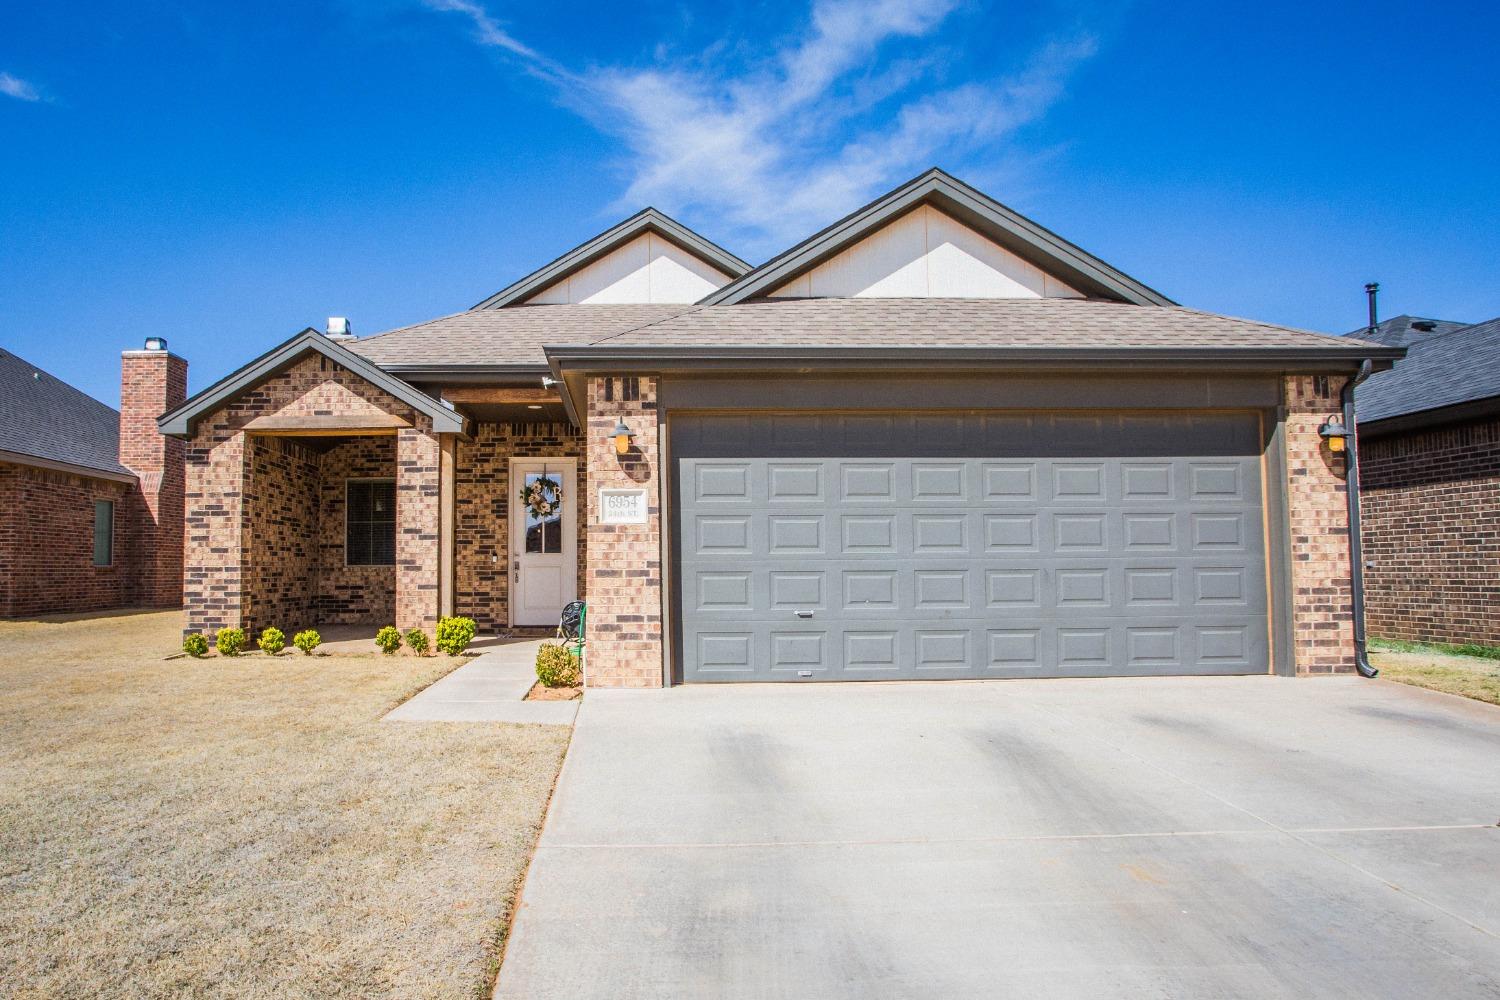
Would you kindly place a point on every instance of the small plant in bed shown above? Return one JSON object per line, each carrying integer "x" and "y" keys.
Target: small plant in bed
{"x": 307, "y": 640}
{"x": 195, "y": 645}
{"x": 388, "y": 639}
{"x": 272, "y": 641}
{"x": 416, "y": 641}
{"x": 455, "y": 634}
{"x": 556, "y": 666}
{"x": 230, "y": 641}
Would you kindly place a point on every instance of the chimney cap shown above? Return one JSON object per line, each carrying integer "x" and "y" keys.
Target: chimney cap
{"x": 155, "y": 344}
{"x": 339, "y": 328}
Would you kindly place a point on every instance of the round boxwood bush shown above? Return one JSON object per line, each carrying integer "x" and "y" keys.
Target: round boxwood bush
{"x": 556, "y": 666}
{"x": 455, "y": 634}
{"x": 307, "y": 640}
{"x": 195, "y": 645}
{"x": 388, "y": 639}
{"x": 416, "y": 641}
{"x": 230, "y": 641}
{"x": 272, "y": 641}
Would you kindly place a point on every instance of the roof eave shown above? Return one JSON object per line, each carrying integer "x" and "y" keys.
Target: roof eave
{"x": 179, "y": 422}
{"x": 38, "y": 462}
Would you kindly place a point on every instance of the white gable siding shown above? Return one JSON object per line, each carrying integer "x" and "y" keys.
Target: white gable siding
{"x": 926, "y": 254}
{"x": 647, "y": 270}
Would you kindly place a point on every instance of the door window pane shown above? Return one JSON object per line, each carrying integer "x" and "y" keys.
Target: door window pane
{"x": 370, "y": 526}
{"x": 543, "y": 504}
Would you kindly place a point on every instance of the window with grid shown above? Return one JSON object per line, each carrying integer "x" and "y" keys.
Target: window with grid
{"x": 370, "y": 528}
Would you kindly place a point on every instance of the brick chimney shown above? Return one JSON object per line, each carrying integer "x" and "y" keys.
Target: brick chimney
{"x": 153, "y": 381}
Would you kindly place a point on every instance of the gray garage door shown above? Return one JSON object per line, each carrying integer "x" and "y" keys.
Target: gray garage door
{"x": 878, "y": 547}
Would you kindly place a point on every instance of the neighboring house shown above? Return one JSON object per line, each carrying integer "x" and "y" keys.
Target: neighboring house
{"x": 90, "y": 497}
{"x": 934, "y": 440}
{"x": 1429, "y": 448}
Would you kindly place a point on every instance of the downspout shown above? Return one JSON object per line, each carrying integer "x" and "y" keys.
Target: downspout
{"x": 1351, "y": 493}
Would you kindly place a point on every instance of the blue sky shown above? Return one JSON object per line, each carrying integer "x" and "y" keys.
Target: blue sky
{"x": 224, "y": 175}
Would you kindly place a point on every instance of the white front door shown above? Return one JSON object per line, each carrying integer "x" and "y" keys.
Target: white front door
{"x": 543, "y": 539}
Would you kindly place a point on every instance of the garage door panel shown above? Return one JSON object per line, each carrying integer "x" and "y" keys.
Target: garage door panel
{"x": 841, "y": 550}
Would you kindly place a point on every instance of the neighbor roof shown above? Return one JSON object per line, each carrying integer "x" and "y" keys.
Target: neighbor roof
{"x": 1440, "y": 371}
{"x": 1011, "y": 230}
{"x": 1400, "y": 331}
{"x": 180, "y": 421}
{"x": 43, "y": 417}
{"x": 581, "y": 256}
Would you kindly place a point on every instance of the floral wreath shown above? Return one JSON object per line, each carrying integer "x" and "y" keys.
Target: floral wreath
{"x": 542, "y": 497}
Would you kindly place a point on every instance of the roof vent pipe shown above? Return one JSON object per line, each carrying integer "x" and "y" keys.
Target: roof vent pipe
{"x": 339, "y": 328}
{"x": 1371, "y": 290}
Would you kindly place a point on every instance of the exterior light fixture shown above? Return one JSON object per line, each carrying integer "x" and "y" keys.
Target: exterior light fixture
{"x": 1335, "y": 433}
{"x": 622, "y": 435}
{"x": 533, "y": 406}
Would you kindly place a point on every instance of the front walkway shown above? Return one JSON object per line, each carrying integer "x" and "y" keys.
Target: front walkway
{"x": 489, "y": 688}
{"x": 1225, "y": 837}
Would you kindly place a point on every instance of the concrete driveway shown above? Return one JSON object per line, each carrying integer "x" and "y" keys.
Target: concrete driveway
{"x": 1236, "y": 837}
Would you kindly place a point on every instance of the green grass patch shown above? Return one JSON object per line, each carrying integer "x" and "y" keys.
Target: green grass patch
{"x": 1444, "y": 648}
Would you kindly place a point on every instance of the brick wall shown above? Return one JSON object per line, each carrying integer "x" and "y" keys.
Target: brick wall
{"x": 624, "y": 577}
{"x": 1430, "y": 502}
{"x": 351, "y": 595}
{"x": 215, "y": 590}
{"x": 47, "y": 542}
{"x": 279, "y": 540}
{"x": 151, "y": 383}
{"x": 1322, "y": 613}
{"x": 482, "y": 502}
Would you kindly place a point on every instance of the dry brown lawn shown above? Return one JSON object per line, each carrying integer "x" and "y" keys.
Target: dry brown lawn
{"x": 1470, "y": 676}
{"x": 249, "y": 827}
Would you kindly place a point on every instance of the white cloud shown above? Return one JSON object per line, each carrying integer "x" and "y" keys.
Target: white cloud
{"x": 14, "y": 86}
{"x": 777, "y": 149}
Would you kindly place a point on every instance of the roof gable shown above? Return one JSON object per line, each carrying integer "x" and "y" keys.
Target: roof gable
{"x": 43, "y": 417}
{"x": 1022, "y": 240}
{"x": 622, "y": 261}
{"x": 180, "y": 421}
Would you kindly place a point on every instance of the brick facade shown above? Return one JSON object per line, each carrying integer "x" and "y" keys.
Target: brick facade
{"x": 151, "y": 383}
{"x": 1430, "y": 502}
{"x": 624, "y": 574}
{"x": 483, "y": 499}
{"x": 1322, "y": 626}
{"x": 227, "y": 512}
{"x": 351, "y": 595}
{"x": 47, "y": 543}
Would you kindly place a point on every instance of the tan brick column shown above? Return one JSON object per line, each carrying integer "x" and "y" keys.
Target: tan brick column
{"x": 1322, "y": 610}
{"x": 213, "y": 533}
{"x": 418, "y": 526}
{"x": 624, "y": 560}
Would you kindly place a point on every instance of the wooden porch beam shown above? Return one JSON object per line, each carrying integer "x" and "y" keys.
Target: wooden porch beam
{"x": 499, "y": 394}
{"x": 351, "y": 424}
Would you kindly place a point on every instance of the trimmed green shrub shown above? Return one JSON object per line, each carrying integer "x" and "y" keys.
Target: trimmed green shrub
{"x": 455, "y": 634}
{"x": 307, "y": 640}
{"x": 556, "y": 666}
{"x": 195, "y": 646}
{"x": 230, "y": 641}
{"x": 416, "y": 640}
{"x": 388, "y": 639}
{"x": 272, "y": 641}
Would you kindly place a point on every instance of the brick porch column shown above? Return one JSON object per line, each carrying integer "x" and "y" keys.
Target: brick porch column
{"x": 214, "y": 511}
{"x": 1322, "y": 606}
{"x": 623, "y": 580}
{"x": 418, "y": 526}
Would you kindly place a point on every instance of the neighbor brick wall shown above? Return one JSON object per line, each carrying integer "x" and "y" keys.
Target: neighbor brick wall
{"x": 1322, "y": 614}
{"x": 1430, "y": 503}
{"x": 152, "y": 383}
{"x": 47, "y": 542}
{"x": 624, "y": 561}
{"x": 482, "y": 502}
{"x": 216, "y": 458}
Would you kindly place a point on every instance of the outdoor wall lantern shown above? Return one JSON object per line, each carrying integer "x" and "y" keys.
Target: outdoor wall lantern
{"x": 622, "y": 436}
{"x": 1335, "y": 433}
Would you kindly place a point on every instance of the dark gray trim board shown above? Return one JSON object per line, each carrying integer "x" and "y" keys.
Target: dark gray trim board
{"x": 646, "y": 220}
{"x": 17, "y": 458}
{"x": 1008, "y": 228}
{"x": 1479, "y": 409}
{"x": 179, "y": 423}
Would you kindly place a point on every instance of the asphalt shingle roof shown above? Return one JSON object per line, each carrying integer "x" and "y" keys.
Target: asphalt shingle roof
{"x": 517, "y": 335}
{"x": 1402, "y": 331}
{"x": 1460, "y": 365}
{"x": 44, "y": 417}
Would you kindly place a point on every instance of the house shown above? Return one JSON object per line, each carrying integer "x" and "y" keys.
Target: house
{"x": 1429, "y": 445}
{"x": 933, "y": 440}
{"x": 90, "y": 497}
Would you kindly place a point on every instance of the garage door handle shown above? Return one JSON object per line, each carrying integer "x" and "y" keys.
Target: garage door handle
{"x": 804, "y": 614}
